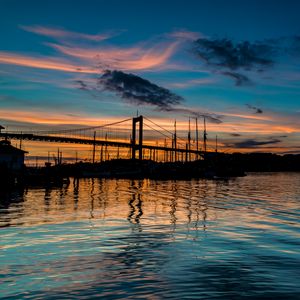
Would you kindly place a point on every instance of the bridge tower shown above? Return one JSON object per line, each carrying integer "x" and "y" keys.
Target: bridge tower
{"x": 133, "y": 141}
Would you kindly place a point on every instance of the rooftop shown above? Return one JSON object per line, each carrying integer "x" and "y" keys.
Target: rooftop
{"x": 6, "y": 147}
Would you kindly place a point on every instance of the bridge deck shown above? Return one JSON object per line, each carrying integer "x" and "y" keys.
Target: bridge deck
{"x": 57, "y": 139}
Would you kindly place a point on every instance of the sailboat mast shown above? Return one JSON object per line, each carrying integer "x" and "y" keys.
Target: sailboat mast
{"x": 204, "y": 136}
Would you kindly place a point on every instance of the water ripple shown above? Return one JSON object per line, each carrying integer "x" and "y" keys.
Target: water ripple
{"x": 144, "y": 239}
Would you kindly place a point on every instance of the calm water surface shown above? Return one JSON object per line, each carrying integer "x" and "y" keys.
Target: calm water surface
{"x": 144, "y": 239}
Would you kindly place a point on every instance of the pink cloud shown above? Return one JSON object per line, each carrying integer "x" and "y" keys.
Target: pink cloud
{"x": 93, "y": 60}
{"x": 133, "y": 58}
{"x": 147, "y": 55}
{"x": 59, "y": 33}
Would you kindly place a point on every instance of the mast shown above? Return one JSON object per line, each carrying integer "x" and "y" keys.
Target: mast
{"x": 105, "y": 150}
{"x": 94, "y": 147}
{"x": 197, "y": 138}
{"x": 189, "y": 139}
{"x": 175, "y": 140}
{"x": 204, "y": 137}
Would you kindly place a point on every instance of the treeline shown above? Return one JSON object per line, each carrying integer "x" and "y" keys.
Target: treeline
{"x": 263, "y": 162}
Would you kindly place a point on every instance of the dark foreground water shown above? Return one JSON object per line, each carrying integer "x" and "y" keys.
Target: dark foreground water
{"x": 143, "y": 239}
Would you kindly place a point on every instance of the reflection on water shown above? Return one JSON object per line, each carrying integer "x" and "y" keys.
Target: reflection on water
{"x": 153, "y": 239}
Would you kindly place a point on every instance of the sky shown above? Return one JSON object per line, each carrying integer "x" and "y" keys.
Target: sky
{"x": 236, "y": 63}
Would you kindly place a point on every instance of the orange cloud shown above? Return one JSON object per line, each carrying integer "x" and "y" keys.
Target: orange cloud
{"x": 246, "y": 128}
{"x": 55, "y": 118}
{"x": 229, "y": 126}
{"x": 248, "y": 116}
{"x": 43, "y": 63}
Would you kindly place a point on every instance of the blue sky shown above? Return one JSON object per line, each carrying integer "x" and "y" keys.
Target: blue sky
{"x": 236, "y": 62}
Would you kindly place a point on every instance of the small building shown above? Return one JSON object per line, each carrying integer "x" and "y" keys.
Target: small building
{"x": 11, "y": 158}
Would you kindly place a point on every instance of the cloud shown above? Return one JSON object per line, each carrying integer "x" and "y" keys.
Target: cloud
{"x": 227, "y": 57}
{"x": 82, "y": 85}
{"x": 52, "y": 117}
{"x": 185, "y": 34}
{"x": 251, "y": 143}
{"x": 256, "y": 109}
{"x": 70, "y": 57}
{"x": 140, "y": 57}
{"x": 240, "y": 79}
{"x": 44, "y": 62}
{"x": 59, "y": 33}
{"x": 226, "y": 53}
{"x": 138, "y": 90}
{"x": 280, "y": 136}
{"x": 235, "y": 134}
{"x": 213, "y": 118}
{"x": 192, "y": 82}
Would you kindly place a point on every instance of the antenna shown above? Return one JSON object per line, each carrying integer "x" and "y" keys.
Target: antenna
{"x": 216, "y": 143}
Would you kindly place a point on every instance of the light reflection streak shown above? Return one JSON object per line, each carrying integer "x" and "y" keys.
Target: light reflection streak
{"x": 138, "y": 201}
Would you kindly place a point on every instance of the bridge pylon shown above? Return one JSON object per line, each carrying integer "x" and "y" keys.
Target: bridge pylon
{"x": 140, "y": 140}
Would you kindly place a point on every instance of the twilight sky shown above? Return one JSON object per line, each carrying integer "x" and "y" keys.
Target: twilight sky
{"x": 83, "y": 62}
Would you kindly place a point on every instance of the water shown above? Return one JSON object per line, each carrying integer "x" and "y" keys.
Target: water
{"x": 143, "y": 239}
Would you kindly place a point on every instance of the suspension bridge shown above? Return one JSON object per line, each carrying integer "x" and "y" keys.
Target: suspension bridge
{"x": 136, "y": 138}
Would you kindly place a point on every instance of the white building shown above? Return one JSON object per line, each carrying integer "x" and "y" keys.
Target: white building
{"x": 11, "y": 158}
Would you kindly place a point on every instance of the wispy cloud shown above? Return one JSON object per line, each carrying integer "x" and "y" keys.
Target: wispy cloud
{"x": 192, "y": 82}
{"x": 141, "y": 57}
{"x": 226, "y": 53}
{"x": 196, "y": 113}
{"x": 60, "y": 33}
{"x": 239, "y": 78}
{"x": 92, "y": 59}
{"x": 238, "y": 59}
{"x": 185, "y": 34}
{"x": 44, "y": 62}
{"x": 232, "y": 57}
{"x": 241, "y": 115}
{"x": 252, "y": 143}
{"x": 256, "y": 110}
{"x": 53, "y": 117}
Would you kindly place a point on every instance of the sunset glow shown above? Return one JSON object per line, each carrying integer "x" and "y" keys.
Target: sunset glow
{"x": 52, "y": 77}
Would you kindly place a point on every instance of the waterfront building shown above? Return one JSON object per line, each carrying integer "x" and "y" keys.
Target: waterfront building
{"x": 11, "y": 158}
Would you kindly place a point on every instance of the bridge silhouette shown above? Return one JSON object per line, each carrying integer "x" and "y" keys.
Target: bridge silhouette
{"x": 128, "y": 134}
